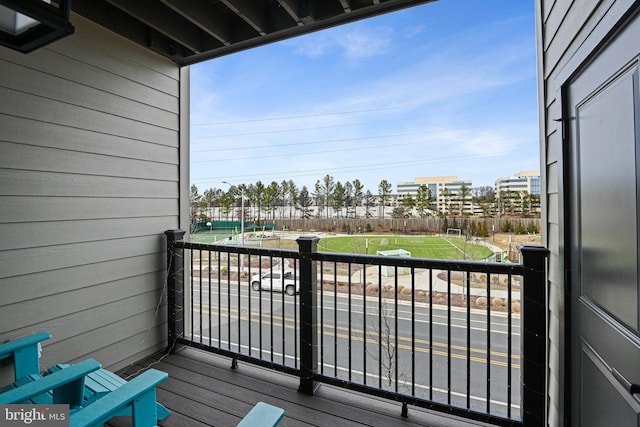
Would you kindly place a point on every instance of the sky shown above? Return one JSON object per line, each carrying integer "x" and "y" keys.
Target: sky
{"x": 446, "y": 88}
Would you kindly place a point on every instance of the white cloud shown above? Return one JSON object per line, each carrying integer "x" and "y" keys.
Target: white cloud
{"x": 355, "y": 43}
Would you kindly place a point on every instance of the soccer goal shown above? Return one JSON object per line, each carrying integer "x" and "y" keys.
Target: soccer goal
{"x": 454, "y": 232}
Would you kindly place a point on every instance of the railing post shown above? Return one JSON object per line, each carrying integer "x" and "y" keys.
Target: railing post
{"x": 534, "y": 335}
{"x": 175, "y": 288}
{"x": 308, "y": 314}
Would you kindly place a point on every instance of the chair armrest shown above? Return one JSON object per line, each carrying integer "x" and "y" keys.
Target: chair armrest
{"x": 139, "y": 393}
{"x": 67, "y": 385}
{"x": 262, "y": 414}
{"x": 25, "y": 353}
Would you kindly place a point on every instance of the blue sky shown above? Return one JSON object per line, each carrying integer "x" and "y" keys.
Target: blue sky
{"x": 446, "y": 88}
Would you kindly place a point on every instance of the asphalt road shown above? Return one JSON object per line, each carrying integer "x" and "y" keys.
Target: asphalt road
{"x": 435, "y": 354}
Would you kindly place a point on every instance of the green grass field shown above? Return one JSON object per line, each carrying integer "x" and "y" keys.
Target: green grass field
{"x": 420, "y": 247}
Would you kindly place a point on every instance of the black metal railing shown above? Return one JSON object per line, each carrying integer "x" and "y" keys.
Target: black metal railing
{"x": 463, "y": 337}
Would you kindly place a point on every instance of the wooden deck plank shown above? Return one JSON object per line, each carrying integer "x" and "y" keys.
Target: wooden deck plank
{"x": 203, "y": 390}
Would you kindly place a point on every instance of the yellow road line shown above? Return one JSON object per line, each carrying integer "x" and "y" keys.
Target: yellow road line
{"x": 328, "y": 331}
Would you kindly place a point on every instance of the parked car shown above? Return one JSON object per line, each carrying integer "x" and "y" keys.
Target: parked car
{"x": 275, "y": 281}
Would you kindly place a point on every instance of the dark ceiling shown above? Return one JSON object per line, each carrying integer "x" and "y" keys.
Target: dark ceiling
{"x": 191, "y": 31}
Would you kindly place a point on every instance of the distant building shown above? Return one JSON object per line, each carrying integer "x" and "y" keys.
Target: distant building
{"x": 444, "y": 201}
{"x": 519, "y": 194}
{"x": 522, "y": 181}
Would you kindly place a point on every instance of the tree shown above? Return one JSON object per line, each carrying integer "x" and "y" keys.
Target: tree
{"x": 485, "y": 197}
{"x": 210, "y": 199}
{"x": 290, "y": 192}
{"x": 446, "y": 196}
{"x": 464, "y": 193}
{"x": 358, "y": 196}
{"x": 369, "y": 202}
{"x": 337, "y": 198}
{"x": 348, "y": 199}
{"x": 194, "y": 200}
{"x": 271, "y": 198}
{"x": 384, "y": 192}
{"x": 327, "y": 187}
{"x": 258, "y": 197}
{"x": 304, "y": 202}
{"x": 318, "y": 195}
{"x": 423, "y": 200}
{"x": 408, "y": 203}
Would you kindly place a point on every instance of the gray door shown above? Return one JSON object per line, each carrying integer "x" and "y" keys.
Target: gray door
{"x": 602, "y": 217}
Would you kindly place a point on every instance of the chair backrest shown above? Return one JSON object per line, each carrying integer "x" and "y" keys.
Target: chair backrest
{"x": 25, "y": 353}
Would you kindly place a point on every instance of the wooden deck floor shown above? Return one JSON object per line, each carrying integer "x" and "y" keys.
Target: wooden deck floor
{"x": 203, "y": 390}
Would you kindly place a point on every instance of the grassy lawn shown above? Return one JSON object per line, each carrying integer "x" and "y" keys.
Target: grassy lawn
{"x": 420, "y": 247}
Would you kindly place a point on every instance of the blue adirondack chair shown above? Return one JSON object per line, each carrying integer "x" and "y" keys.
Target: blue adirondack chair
{"x": 94, "y": 394}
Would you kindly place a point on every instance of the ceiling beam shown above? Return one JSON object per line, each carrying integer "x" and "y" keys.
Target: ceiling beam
{"x": 299, "y": 10}
{"x": 200, "y": 13}
{"x": 166, "y": 22}
{"x": 251, "y": 11}
{"x": 346, "y": 5}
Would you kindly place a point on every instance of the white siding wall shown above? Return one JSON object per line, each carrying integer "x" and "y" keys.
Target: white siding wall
{"x": 89, "y": 181}
{"x": 568, "y": 31}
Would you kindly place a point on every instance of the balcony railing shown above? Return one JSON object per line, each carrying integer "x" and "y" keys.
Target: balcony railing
{"x": 462, "y": 337}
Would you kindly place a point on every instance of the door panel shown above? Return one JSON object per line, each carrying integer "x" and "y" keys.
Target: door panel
{"x": 603, "y": 216}
{"x": 604, "y": 392}
{"x": 608, "y": 186}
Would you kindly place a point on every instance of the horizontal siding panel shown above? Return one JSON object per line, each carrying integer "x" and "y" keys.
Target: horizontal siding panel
{"x": 41, "y": 134}
{"x": 49, "y": 111}
{"x": 42, "y": 234}
{"x": 113, "y": 344}
{"x": 49, "y": 184}
{"x": 26, "y": 157}
{"x": 35, "y": 82}
{"x": 30, "y": 209}
{"x": 108, "y": 303}
{"x": 118, "y": 55}
{"x": 36, "y": 260}
{"x": 73, "y": 339}
{"x": 554, "y": 20}
{"x": 578, "y": 23}
{"x": 149, "y": 268}
{"x": 89, "y": 75}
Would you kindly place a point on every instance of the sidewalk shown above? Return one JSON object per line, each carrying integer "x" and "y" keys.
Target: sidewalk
{"x": 422, "y": 283}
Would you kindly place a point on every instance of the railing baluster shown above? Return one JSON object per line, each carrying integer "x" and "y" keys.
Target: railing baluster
{"x": 509, "y": 344}
{"x": 363, "y": 280}
{"x": 380, "y": 315}
{"x": 220, "y": 301}
{"x": 209, "y": 298}
{"x": 271, "y": 312}
{"x": 240, "y": 271}
{"x": 488, "y": 343}
{"x": 449, "y": 344}
{"x": 468, "y": 289}
{"x": 335, "y": 326}
{"x": 249, "y": 305}
{"x": 322, "y": 308}
{"x": 229, "y": 303}
{"x": 413, "y": 331}
{"x": 430, "y": 334}
{"x": 349, "y": 311}
{"x": 191, "y": 284}
{"x": 394, "y": 358}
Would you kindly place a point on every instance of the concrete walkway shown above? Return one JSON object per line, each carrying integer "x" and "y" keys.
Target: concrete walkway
{"x": 422, "y": 283}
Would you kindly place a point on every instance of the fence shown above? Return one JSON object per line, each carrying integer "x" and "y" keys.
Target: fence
{"x": 462, "y": 337}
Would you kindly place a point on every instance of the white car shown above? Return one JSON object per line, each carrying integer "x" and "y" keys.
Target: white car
{"x": 276, "y": 281}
